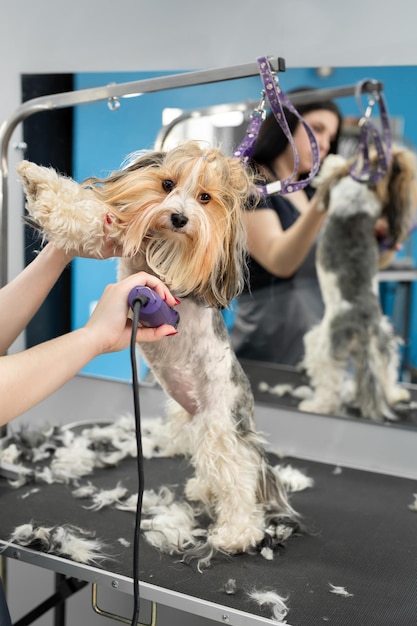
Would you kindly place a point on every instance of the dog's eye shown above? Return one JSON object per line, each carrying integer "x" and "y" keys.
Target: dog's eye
{"x": 168, "y": 185}
{"x": 204, "y": 198}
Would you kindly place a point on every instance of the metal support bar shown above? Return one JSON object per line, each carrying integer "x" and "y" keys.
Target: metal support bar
{"x": 247, "y": 107}
{"x": 4, "y": 611}
{"x": 3, "y": 571}
{"x": 317, "y": 95}
{"x": 66, "y": 588}
{"x": 113, "y": 616}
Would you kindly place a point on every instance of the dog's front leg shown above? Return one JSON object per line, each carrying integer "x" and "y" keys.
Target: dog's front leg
{"x": 67, "y": 213}
{"x": 199, "y": 370}
{"x": 388, "y": 364}
{"x": 325, "y": 373}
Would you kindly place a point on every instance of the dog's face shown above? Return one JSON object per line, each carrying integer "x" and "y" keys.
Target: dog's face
{"x": 182, "y": 211}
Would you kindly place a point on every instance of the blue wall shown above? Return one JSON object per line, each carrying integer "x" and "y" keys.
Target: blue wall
{"x": 103, "y": 138}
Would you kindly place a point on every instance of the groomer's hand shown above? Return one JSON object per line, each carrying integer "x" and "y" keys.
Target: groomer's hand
{"x": 109, "y": 323}
{"x": 382, "y": 231}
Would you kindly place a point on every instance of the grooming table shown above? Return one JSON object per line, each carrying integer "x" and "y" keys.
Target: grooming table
{"x": 362, "y": 531}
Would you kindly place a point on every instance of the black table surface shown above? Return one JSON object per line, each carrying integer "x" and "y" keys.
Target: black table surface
{"x": 362, "y": 535}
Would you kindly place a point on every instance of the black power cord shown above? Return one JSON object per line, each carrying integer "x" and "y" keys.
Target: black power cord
{"x": 137, "y": 304}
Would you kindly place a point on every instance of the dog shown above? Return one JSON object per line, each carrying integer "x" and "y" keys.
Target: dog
{"x": 351, "y": 356}
{"x": 179, "y": 215}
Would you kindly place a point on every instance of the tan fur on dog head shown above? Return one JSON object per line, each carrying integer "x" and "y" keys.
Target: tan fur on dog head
{"x": 181, "y": 211}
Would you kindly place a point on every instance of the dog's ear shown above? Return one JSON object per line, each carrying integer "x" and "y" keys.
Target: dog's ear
{"x": 396, "y": 201}
{"x": 400, "y": 196}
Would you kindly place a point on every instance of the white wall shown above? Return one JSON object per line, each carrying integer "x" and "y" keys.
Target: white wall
{"x": 95, "y": 35}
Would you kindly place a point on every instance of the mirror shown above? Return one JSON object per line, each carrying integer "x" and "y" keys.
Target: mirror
{"x": 226, "y": 124}
{"x": 103, "y": 137}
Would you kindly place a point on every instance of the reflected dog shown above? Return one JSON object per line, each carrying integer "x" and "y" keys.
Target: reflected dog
{"x": 179, "y": 215}
{"x": 352, "y": 355}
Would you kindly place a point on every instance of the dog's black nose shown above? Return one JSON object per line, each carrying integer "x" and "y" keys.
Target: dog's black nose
{"x": 178, "y": 220}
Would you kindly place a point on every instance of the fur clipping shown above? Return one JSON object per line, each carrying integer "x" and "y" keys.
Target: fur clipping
{"x": 293, "y": 479}
{"x": 230, "y": 587}
{"x": 280, "y": 390}
{"x": 172, "y": 525}
{"x": 67, "y": 541}
{"x": 67, "y": 456}
{"x": 273, "y": 600}
{"x": 341, "y": 591}
{"x": 413, "y": 506}
{"x": 107, "y": 497}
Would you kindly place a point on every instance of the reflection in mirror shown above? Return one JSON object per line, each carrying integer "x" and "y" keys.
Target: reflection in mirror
{"x": 283, "y": 378}
{"x": 103, "y": 138}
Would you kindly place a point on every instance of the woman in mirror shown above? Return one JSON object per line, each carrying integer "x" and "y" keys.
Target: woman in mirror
{"x": 283, "y": 299}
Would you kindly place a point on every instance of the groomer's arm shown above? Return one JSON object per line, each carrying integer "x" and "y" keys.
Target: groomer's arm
{"x": 28, "y": 377}
{"x": 279, "y": 251}
{"x": 21, "y": 298}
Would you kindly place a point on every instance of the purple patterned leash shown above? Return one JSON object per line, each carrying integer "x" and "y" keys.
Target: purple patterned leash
{"x": 370, "y": 135}
{"x": 245, "y": 149}
{"x": 277, "y": 99}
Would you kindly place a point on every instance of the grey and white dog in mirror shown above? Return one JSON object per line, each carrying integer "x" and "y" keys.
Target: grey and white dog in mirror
{"x": 352, "y": 355}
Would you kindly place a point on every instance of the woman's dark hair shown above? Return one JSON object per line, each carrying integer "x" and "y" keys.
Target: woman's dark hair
{"x": 271, "y": 141}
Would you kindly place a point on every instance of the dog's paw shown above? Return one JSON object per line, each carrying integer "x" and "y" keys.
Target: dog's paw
{"x": 398, "y": 394}
{"x": 330, "y": 165}
{"x": 235, "y": 538}
{"x": 309, "y": 405}
{"x": 30, "y": 174}
{"x": 313, "y": 405}
{"x": 68, "y": 213}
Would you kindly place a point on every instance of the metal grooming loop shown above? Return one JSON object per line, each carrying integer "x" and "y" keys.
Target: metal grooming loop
{"x": 111, "y": 93}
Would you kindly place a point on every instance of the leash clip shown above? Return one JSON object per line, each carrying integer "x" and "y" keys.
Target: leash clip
{"x": 368, "y": 112}
{"x": 260, "y": 110}
{"x": 361, "y": 170}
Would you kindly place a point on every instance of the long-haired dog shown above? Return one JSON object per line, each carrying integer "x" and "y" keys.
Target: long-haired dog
{"x": 179, "y": 214}
{"x": 352, "y": 355}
